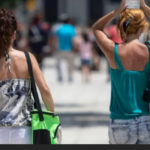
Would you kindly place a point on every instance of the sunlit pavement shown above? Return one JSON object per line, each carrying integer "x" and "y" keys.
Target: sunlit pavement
{"x": 83, "y": 108}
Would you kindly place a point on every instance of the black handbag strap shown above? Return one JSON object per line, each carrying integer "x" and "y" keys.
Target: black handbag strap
{"x": 147, "y": 43}
{"x": 33, "y": 87}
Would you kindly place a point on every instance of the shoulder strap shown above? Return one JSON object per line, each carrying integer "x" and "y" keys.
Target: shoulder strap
{"x": 33, "y": 87}
{"x": 117, "y": 59}
{"x": 147, "y": 43}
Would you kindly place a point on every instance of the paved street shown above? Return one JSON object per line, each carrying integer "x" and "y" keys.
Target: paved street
{"x": 83, "y": 108}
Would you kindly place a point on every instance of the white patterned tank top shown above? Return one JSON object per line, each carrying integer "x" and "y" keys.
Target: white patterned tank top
{"x": 16, "y": 103}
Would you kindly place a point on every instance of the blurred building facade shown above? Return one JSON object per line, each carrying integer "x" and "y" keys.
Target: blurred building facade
{"x": 82, "y": 11}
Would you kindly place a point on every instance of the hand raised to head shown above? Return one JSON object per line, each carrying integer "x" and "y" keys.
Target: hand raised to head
{"x": 121, "y": 7}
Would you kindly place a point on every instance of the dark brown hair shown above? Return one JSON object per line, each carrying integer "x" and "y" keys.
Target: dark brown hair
{"x": 8, "y": 25}
{"x": 130, "y": 21}
{"x": 85, "y": 36}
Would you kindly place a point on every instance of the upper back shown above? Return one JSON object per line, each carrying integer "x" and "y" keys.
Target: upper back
{"x": 65, "y": 34}
{"x": 129, "y": 81}
{"x": 19, "y": 68}
{"x": 132, "y": 56}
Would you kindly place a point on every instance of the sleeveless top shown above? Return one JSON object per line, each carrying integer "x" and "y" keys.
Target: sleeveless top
{"x": 16, "y": 103}
{"x": 85, "y": 50}
{"x": 127, "y": 89}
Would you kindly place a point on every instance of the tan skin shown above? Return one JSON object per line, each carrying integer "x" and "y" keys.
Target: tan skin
{"x": 145, "y": 8}
{"x": 134, "y": 55}
{"x": 19, "y": 70}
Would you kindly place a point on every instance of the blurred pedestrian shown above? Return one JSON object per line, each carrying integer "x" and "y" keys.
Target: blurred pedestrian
{"x": 96, "y": 51}
{"x": 36, "y": 38}
{"x": 46, "y": 49}
{"x": 19, "y": 35}
{"x": 114, "y": 35}
{"x": 148, "y": 34}
{"x": 64, "y": 35}
{"x": 16, "y": 103}
{"x": 130, "y": 73}
{"x": 85, "y": 49}
{"x": 52, "y": 40}
{"x": 145, "y": 36}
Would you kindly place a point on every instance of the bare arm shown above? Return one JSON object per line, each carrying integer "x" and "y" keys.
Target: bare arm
{"x": 102, "y": 40}
{"x": 76, "y": 44}
{"x": 52, "y": 42}
{"x": 43, "y": 87}
{"x": 106, "y": 45}
{"x": 145, "y": 8}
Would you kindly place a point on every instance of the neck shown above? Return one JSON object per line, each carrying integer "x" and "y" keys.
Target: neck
{"x": 10, "y": 49}
{"x": 132, "y": 38}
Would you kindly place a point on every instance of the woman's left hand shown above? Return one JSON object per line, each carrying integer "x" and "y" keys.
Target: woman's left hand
{"x": 121, "y": 8}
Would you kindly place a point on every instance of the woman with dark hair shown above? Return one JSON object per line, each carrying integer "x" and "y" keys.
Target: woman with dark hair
{"x": 16, "y": 103}
{"x": 130, "y": 72}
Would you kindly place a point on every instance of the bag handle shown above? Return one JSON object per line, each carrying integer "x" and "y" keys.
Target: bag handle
{"x": 147, "y": 43}
{"x": 33, "y": 87}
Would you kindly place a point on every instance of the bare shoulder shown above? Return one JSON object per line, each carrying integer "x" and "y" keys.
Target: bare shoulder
{"x": 135, "y": 47}
{"x": 143, "y": 49}
{"x": 110, "y": 48}
{"x": 16, "y": 54}
{"x": 134, "y": 51}
{"x": 142, "y": 46}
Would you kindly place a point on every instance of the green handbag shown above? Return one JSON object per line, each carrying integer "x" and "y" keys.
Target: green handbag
{"x": 46, "y": 126}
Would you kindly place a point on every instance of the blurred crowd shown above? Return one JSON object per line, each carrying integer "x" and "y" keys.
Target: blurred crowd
{"x": 65, "y": 40}
{"x": 62, "y": 40}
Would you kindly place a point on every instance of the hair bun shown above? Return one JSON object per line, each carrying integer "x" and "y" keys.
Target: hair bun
{"x": 130, "y": 21}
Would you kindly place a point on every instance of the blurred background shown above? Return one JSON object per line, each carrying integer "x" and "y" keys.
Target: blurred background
{"x": 58, "y": 33}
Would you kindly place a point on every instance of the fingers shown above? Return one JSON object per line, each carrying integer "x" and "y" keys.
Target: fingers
{"x": 123, "y": 2}
{"x": 124, "y": 8}
{"x": 123, "y": 5}
{"x": 142, "y": 4}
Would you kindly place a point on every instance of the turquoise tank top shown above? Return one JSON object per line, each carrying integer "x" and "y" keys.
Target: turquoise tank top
{"x": 127, "y": 89}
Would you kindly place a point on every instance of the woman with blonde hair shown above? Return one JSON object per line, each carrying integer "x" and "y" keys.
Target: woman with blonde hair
{"x": 130, "y": 73}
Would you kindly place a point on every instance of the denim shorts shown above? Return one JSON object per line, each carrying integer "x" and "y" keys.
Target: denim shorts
{"x": 15, "y": 135}
{"x": 135, "y": 131}
{"x": 86, "y": 62}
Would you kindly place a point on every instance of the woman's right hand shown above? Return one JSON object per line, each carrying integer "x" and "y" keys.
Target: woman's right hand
{"x": 121, "y": 7}
{"x": 142, "y": 3}
{"x": 145, "y": 8}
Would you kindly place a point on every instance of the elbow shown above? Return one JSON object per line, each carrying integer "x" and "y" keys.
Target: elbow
{"x": 93, "y": 27}
{"x": 97, "y": 28}
{"x": 94, "y": 30}
{"x": 45, "y": 91}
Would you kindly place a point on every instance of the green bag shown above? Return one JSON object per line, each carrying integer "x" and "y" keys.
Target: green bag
{"x": 46, "y": 126}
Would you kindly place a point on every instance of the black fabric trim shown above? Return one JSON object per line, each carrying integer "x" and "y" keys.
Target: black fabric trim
{"x": 57, "y": 130}
{"x": 147, "y": 43}
{"x": 105, "y": 34}
{"x": 41, "y": 137}
{"x": 44, "y": 113}
{"x": 33, "y": 87}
